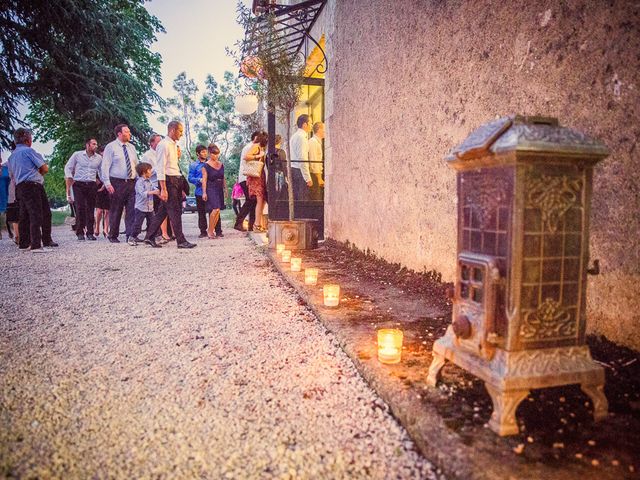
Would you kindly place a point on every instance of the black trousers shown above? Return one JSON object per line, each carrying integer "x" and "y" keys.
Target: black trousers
{"x": 249, "y": 207}
{"x": 35, "y": 215}
{"x": 124, "y": 196}
{"x": 202, "y": 214}
{"x": 301, "y": 192}
{"x": 172, "y": 208}
{"x": 84, "y": 194}
{"x": 137, "y": 223}
{"x": 236, "y": 206}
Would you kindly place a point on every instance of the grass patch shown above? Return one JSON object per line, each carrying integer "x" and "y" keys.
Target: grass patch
{"x": 57, "y": 218}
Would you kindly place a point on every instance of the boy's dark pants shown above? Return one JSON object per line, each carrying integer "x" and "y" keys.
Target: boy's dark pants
{"x": 137, "y": 222}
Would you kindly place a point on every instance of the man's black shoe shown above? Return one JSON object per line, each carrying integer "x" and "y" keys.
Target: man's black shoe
{"x": 186, "y": 244}
{"x": 50, "y": 244}
{"x": 114, "y": 240}
{"x": 203, "y": 235}
{"x": 90, "y": 236}
{"x": 240, "y": 228}
{"x": 80, "y": 237}
{"x": 151, "y": 242}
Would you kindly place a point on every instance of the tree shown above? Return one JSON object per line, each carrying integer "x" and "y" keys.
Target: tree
{"x": 219, "y": 119}
{"x": 182, "y": 107}
{"x": 82, "y": 66}
{"x": 278, "y": 74}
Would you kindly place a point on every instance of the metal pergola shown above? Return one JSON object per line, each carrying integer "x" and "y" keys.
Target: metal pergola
{"x": 293, "y": 24}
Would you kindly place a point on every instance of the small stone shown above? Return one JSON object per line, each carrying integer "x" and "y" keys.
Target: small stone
{"x": 530, "y": 439}
{"x": 592, "y": 443}
{"x": 595, "y": 462}
{"x": 562, "y": 399}
{"x": 558, "y": 445}
{"x": 519, "y": 449}
{"x": 578, "y": 455}
{"x": 615, "y": 463}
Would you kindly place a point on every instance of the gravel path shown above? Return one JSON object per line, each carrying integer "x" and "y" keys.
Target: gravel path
{"x": 105, "y": 373}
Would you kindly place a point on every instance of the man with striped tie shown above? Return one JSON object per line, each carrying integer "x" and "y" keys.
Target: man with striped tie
{"x": 119, "y": 162}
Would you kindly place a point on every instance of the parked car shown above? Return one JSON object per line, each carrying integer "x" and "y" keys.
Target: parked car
{"x": 189, "y": 205}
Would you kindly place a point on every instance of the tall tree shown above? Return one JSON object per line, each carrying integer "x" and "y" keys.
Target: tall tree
{"x": 219, "y": 119}
{"x": 182, "y": 107}
{"x": 82, "y": 66}
{"x": 88, "y": 61}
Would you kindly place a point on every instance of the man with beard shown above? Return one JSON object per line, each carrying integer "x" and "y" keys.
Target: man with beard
{"x": 80, "y": 174}
{"x": 171, "y": 182}
{"x": 119, "y": 176}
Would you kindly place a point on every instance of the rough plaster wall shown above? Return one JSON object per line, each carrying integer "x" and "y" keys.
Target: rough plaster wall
{"x": 409, "y": 80}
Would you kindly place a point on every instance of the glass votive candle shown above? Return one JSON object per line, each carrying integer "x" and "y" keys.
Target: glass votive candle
{"x": 310, "y": 276}
{"x": 286, "y": 256}
{"x": 331, "y": 295}
{"x": 296, "y": 264}
{"x": 389, "y": 345}
{"x": 279, "y": 248}
{"x": 245, "y": 224}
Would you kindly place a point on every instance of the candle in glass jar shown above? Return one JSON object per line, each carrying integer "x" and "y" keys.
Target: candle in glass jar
{"x": 279, "y": 248}
{"x": 310, "y": 276}
{"x": 389, "y": 345}
{"x": 296, "y": 264}
{"x": 286, "y": 256}
{"x": 331, "y": 295}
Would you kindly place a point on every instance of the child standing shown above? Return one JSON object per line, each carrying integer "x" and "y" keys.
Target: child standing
{"x": 145, "y": 190}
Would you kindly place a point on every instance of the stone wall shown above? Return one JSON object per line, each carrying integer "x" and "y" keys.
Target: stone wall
{"x": 408, "y": 80}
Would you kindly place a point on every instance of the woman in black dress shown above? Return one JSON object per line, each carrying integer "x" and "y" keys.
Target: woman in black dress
{"x": 214, "y": 188}
{"x": 102, "y": 210}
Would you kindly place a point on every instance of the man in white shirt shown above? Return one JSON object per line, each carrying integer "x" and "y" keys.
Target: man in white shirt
{"x": 299, "y": 145}
{"x": 80, "y": 174}
{"x": 150, "y": 158}
{"x": 249, "y": 206}
{"x": 119, "y": 161}
{"x": 315, "y": 160}
{"x": 171, "y": 181}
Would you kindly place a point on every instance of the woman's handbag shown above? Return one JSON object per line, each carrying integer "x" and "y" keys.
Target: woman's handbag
{"x": 252, "y": 168}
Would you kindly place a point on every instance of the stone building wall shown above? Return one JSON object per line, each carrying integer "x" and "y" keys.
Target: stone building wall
{"x": 408, "y": 80}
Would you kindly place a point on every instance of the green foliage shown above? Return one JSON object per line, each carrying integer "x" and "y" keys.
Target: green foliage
{"x": 182, "y": 107}
{"x": 213, "y": 119}
{"x": 82, "y": 66}
{"x": 219, "y": 119}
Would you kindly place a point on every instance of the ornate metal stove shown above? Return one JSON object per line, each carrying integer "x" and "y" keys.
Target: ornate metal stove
{"x": 524, "y": 193}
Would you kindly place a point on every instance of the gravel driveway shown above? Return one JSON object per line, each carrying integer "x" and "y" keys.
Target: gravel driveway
{"x": 131, "y": 362}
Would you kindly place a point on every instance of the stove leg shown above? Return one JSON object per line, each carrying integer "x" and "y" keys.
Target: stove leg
{"x": 505, "y": 404}
{"x": 434, "y": 369}
{"x": 599, "y": 400}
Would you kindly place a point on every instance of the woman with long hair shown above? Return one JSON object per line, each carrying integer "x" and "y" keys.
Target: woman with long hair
{"x": 257, "y": 185}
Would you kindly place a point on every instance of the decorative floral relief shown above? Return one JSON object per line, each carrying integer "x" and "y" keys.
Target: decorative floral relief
{"x": 550, "y": 320}
{"x": 484, "y": 194}
{"x": 552, "y": 134}
{"x": 554, "y": 196}
{"x": 550, "y": 361}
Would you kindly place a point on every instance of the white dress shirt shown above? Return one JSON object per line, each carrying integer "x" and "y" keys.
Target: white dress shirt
{"x": 245, "y": 150}
{"x": 114, "y": 163}
{"x": 299, "y": 145}
{"x": 315, "y": 155}
{"x": 82, "y": 167}
{"x": 150, "y": 157}
{"x": 167, "y": 159}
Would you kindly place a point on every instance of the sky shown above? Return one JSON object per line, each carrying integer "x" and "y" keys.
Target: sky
{"x": 197, "y": 32}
